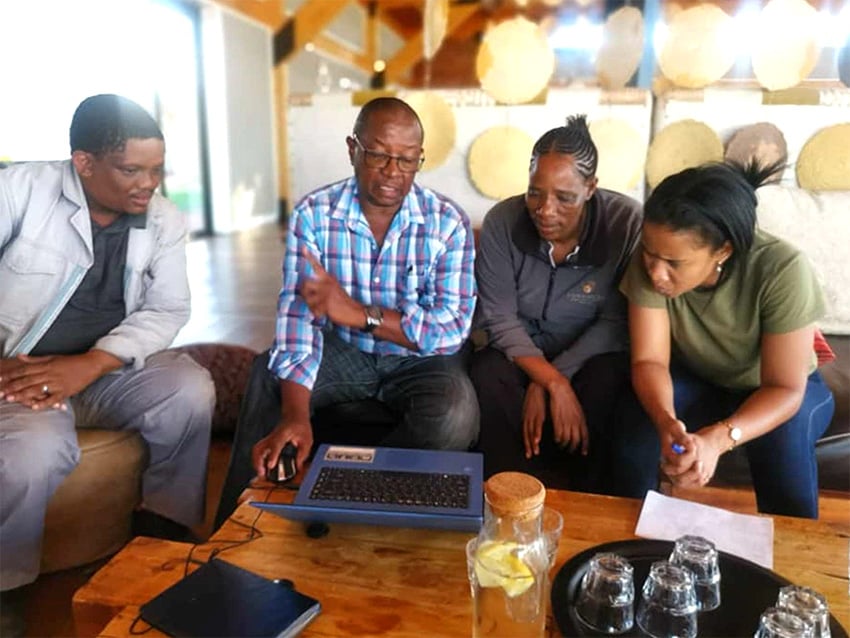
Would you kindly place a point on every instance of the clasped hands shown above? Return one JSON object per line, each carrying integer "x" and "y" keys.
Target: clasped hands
{"x": 42, "y": 382}
{"x": 568, "y": 423}
{"x": 697, "y": 462}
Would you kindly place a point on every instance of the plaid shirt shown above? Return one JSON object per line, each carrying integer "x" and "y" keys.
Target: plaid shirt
{"x": 424, "y": 270}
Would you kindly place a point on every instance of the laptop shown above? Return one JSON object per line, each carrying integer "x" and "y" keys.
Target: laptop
{"x": 435, "y": 489}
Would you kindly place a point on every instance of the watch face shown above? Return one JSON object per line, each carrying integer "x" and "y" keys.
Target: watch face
{"x": 735, "y": 434}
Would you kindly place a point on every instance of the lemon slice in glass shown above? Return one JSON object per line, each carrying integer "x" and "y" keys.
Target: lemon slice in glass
{"x": 497, "y": 565}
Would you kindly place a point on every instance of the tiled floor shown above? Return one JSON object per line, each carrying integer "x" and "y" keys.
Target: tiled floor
{"x": 235, "y": 280}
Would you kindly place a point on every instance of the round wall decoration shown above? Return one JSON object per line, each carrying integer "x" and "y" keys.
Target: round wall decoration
{"x": 786, "y": 47}
{"x": 681, "y": 145}
{"x": 824, "y": 160}
{"x": 435, "y": 20}
{"x": 438, "y": 122}
{"x": 622, "y": 48}
{"x": 621, "y": 153}
{"x": 514, "y": 61}
{"x": 498, "y": 161}
{"x": 763, "y": 143}
{"x": 696, "y": 51}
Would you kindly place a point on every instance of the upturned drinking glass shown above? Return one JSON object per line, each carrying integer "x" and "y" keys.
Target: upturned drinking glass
{"x": 782, "y": 623}
{"x": 668, "y": 604}
{"x": 699, "y": 555}
{"x": 607, "y": 594}
{"x": 809, "y": 604}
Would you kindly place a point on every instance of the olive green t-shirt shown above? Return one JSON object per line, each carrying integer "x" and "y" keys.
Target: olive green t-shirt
{"x": 717, "y": 332}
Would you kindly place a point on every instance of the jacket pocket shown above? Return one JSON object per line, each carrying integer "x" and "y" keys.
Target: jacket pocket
{"x": 30, "y": 276}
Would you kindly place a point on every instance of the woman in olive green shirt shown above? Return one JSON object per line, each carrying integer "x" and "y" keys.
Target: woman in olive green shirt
{"x": 722, "y": 320}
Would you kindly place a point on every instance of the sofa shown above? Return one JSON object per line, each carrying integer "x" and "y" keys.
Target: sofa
{"x": 90, "y": 514}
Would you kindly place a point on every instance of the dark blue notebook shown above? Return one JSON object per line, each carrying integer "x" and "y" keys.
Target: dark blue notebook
{"x": 220, "y": 600}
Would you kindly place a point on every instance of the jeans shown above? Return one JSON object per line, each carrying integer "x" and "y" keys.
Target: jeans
{"x": 432, "y": 397}
{"x": 501, "y": 387}
{"x": 782, "y": 462}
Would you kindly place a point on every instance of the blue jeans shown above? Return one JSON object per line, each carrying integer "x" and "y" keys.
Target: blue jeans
{"x": 782, "y": 462}
{"x": 432, "y": 397}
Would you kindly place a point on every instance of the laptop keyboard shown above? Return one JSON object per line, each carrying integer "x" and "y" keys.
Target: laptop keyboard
{"x": 392, "y": 487}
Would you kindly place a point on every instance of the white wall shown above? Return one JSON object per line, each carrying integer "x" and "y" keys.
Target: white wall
{"x": 317, "y": 134}
{"x": 237, "y": 54}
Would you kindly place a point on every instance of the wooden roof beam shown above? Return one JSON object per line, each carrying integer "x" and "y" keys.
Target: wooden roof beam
{"x": 411, "y": 52}
{"x": 333, "y": 48}
{"x": 308, "y": 22}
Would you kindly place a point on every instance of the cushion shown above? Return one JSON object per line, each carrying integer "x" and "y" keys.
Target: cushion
{"x": 229, "y": 366}
{"x": 89, "y": 515}
{"x": 816, "y": 223}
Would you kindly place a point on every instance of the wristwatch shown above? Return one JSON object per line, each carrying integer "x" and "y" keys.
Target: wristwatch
{"x": 733, "y": 432}
{"x": 374, "y": 318}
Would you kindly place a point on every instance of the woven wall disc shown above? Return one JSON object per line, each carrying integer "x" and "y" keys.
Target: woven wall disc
{"x": 786, "y": 48}
{"x": 435, "y": 20}
{"x": 514, "y": 61}
{"x": 824, "y": 161}
{"x": 622, "y": 48}
{"x": 621, "y": 153}
{"x": 763, "y": 143}
{"x": 438, "y": 120}
{"x": 498, "y": 161}
{"x": 696, "y": 51}
{"x": 681, "y": 145}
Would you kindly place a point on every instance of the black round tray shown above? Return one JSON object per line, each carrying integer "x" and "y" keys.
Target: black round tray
{"x": 746, "y": 590}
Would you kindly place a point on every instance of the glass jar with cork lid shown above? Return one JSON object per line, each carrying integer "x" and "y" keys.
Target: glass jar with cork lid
{"x": 510, "y": 565}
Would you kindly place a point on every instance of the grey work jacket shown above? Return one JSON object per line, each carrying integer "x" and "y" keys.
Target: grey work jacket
{"x": 46, "y": 249}
{"x": 568, "y": 313}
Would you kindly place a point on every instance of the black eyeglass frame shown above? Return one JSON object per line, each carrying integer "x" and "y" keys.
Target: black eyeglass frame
{"x": 376, "y": 160}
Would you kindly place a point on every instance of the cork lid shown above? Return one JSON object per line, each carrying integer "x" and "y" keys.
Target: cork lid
{"x": 513, "y": 493}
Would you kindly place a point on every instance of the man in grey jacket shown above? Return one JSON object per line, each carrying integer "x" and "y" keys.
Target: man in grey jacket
{"x": 93, "y": 287}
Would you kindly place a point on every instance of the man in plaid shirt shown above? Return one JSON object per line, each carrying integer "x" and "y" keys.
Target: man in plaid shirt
{"x": 377, "y": 301}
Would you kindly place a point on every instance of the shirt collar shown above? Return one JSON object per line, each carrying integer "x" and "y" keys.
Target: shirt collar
{"x": 347, "y": 206}
{"x": 592, "y": 249}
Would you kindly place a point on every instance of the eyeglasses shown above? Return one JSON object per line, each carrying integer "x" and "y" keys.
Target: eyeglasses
{"x": 373, "y": 159}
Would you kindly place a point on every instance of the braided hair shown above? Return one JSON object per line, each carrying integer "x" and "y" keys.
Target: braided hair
{"x": 573, "y": 139}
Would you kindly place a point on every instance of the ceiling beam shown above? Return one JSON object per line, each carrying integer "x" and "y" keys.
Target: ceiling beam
{"x": 308, "y": 22}
{"x": 412, "y": 51}
{"x": 333, "y": 48}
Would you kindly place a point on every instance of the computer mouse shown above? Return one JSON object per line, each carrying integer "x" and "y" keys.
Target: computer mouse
{"x": 285, "y": 468}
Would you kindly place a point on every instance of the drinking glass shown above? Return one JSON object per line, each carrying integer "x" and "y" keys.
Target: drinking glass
{"x": 782, "y": 623}
{"x": 668, "y": 604}
{"x": 700, "y": 556}
{"x": 808, "y": 604}
{"x": 607, "y": 594}
{"x": 553, "y": 525}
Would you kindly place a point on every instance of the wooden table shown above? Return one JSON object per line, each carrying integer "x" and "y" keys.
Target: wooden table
{"x": 400, "y": 582}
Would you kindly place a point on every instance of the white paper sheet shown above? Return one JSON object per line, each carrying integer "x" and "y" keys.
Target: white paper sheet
{"x": 667, "y": 518}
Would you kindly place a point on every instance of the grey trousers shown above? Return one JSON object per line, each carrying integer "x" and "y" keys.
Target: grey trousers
{"x": 169, "y": 402}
